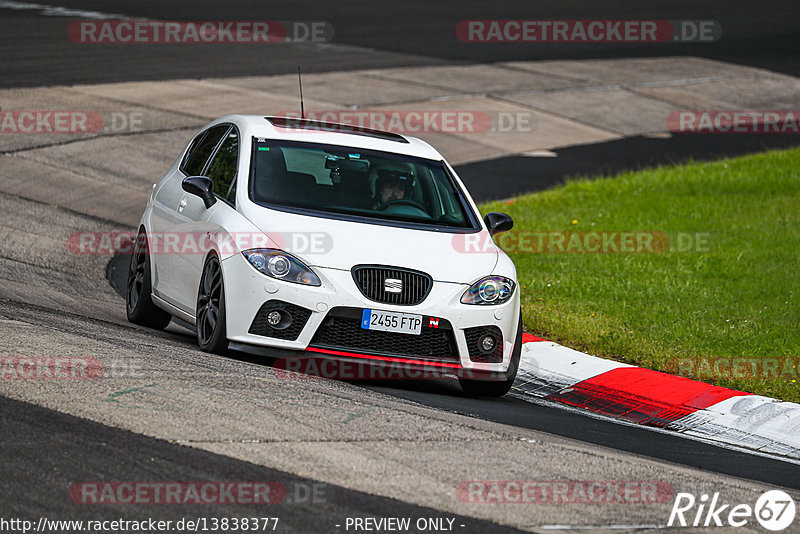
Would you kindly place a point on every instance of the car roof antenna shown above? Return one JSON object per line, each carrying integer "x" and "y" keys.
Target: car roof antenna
{"x": 300, "y": 82}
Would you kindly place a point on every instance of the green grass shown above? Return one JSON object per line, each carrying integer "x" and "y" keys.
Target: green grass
{"x": 735, "y": 297}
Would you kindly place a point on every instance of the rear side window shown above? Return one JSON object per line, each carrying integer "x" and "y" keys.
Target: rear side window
{"x": 222, "y": 169}
{"x": 201, "y": 149}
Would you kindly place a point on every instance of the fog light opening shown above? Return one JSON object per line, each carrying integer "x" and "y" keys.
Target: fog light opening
{"x": 487, "y": 343}
{"x": 274, "y": 318}
{"x": 279, "y": 319}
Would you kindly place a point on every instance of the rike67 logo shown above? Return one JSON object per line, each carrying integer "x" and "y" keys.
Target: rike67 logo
{"x": 774, "y": 510}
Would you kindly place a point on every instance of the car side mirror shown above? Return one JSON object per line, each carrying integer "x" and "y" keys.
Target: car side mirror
{"x": 202, "y": 187}
{"x": 498, "y": 222}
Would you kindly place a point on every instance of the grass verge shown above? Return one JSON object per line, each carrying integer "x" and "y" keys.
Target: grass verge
{"x": 714, "y": 298}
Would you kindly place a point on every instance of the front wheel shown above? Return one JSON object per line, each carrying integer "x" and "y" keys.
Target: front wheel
{"x": 138, "y": 299}
{"x": 211, "y": 331}
{"x": 485, "y": 388}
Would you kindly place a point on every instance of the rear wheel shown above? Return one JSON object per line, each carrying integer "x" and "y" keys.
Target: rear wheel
{"x": 485, "y": 388}
{"x": 139, "y": 303}
{"x": 211, "y": 331}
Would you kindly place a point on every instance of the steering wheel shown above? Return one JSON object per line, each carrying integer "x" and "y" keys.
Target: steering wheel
{"x": 404, "y": 202}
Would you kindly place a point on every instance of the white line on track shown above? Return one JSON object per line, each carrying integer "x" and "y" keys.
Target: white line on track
{"x": 604, "y": 527}
{"x": 57, "y": 11}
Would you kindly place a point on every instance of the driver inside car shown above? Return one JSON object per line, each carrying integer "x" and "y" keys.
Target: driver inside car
{"x": 390, "y": 186}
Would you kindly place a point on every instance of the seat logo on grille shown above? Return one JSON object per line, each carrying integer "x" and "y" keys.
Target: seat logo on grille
{"x": 393, "y": 285}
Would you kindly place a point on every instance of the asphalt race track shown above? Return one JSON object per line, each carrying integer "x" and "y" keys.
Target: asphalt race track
{"x": 521, "y": 412}
{"x": 55, "y": 449}
{"x": 165, "y": 411}
{"x": 372, "y": 34}
{"x": 514, "y": 175}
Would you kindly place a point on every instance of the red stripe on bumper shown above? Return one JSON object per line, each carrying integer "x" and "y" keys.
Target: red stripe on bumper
{"x": 528, "y": 338}
{"x": 383, "y": 358}
{"x": 643, "y": 396}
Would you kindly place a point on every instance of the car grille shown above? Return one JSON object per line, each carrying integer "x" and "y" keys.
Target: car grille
{"x": 371, "y": 280}
{"x": 474, "y": 335}
{"x": 261, "y": 327}
{"x": 341, "y": 330}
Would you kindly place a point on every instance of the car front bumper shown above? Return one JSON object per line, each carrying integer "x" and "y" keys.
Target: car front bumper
{"x": 247, "y": 290}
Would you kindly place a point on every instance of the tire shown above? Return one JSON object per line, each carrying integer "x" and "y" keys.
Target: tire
{"x": 498, "y": 388}
{"x": 138, "y": 295}
{"x": 210, "y": 314}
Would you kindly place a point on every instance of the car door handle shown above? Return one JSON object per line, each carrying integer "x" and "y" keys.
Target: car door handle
{"x": 182, "y": 204}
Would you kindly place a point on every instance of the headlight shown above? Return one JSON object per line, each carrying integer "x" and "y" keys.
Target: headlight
{"x": 278, "y": 264}
{"x": 489, "y": 290}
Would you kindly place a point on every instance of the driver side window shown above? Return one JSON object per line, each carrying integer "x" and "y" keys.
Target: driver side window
{"x": 202, "y": 147}
{"x": 223, "y": 167}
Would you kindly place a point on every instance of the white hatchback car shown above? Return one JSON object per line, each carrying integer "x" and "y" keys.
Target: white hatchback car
{"x": 290, "y": 238}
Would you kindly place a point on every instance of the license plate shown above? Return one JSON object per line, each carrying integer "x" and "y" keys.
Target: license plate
{"x": 404, "y": 323}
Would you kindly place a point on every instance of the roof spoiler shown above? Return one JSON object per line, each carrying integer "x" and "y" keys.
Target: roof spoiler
{"x": 296, "y": 123}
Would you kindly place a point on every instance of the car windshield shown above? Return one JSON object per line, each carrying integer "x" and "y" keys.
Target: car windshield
{"x": 348, "y": 182}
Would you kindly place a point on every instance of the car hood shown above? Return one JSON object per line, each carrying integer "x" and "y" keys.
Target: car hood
{"x": 339, "y": 244}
